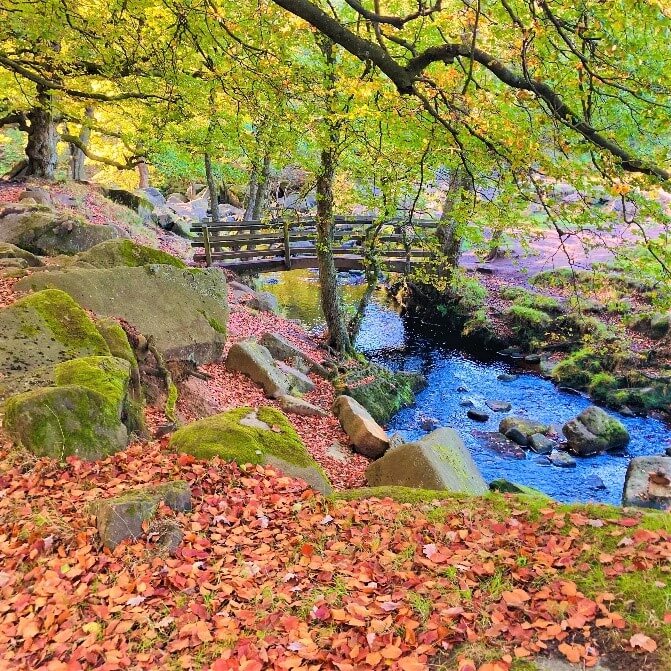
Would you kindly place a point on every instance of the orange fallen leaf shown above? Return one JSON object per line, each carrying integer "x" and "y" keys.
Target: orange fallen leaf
{"x": 644, "y": 642}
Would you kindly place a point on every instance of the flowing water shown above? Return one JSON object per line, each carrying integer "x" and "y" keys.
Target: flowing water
{"x": 388, "y": 339}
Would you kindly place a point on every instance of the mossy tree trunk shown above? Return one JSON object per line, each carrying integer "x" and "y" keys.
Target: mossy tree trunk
{"x": 42, "y": 139}
{"x": 448, "y": 229}
{"x": 77, "y": 156}
{"x": 261, "y": 194}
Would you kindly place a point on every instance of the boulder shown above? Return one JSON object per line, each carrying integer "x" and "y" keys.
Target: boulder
{"x": 121, "y": 518}
{"x": 264, "y": 301}
{"x": 184, "y": 311}
{"x": 659, "y": 324}
{"x": 594, "y": 431}
{"x": 114, "y": 253}
{"x": 506, "y": 487}
{"x": 61, "y": 421}
{"x": 299, "y": 381}
{"x": 194, "y": 210}
{"x": 526, "y": 427}
{"x": 517, "y": 437}
{"x": 255, "y": 361}
{"x": 39, "y": 195}
{"x": 647, "y": 483}
{"x": 366, "y": 435}
{"x": 153, "y": 195}
{"x": 39, "y": 331}
{"x": 45, "y": 232}
{"x": 12, "y": 252}
{"x": 561, "y": 459}
{"x": 138, "y": 201}
{"x": 283, "y": 350}
{"x": 439, "y": 461}
{"x": 297, "y": 406}
{"x": 177, "y": 198}
{"x": 498, "y": 406}
{"x": 477, "y": 415}
{"x": 163, "y": 216}
{"x": 249, "y": 436}
{"x": 497, "y": 442}
{"x": 540, "y": 443}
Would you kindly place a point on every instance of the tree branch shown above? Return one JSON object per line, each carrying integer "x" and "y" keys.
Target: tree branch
{"x": 130, "y": 164}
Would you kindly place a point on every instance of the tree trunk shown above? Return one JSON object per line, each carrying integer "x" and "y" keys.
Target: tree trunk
{"x": 251, "y": 193}
{"x": 212, "y": 188}
{"x": 42, "y": 139}
{"x": 142, "y": 175}
{"x": 77, "y": 157}
{"x": 338, "y": 338}
{"x": 261, "y": 195}
{"x": 447, "y": 230}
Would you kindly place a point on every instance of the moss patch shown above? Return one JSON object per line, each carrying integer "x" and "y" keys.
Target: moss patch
{"x": 115, "y": 253}
{"x": 527, "y": 299}
{"x": 71, "y": 326}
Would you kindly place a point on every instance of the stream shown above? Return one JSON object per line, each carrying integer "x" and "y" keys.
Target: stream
{"x": 388, "y": 339}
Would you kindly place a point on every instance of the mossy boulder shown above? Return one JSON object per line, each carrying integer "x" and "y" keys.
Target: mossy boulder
{"x": 127, "y": 253}
{"x": 185, "y": 311}
{"x": 381, "y": 391}
{"x": 121, "y": 518}
{"x": 439, "y": 461}
{"x": 527, "y": 323}
{"x": 59, "y": 422}
{"x": 249, "y": 436}
{"x": 43, "y": 231}
{"x": 594, "y": 431}
{"x": 39, "y": 331}
{"x": 525, "y": 427}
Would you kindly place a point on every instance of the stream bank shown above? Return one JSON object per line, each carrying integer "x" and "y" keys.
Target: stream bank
{"x": 456, "y": 376}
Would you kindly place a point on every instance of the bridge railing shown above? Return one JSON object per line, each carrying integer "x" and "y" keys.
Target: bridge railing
{"x": 280, "y": 244}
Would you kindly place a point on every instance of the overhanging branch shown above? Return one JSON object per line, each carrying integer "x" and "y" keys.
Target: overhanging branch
{"x": 130, "y": 164}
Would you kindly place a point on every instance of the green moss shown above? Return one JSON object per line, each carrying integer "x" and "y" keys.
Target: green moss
{"x": 106, "y": 375}
{"x": 577, "y": 369}
{"x": 68, "y": 322}
{"x": 171, "y": 402}
{"x": 601, "y": 387}
{"x": 527, "y": 323}
{"x": 224, "y": 436}
{"x": 527, "y": 299}
{"x": 116, "y": 339}
{"x": 400, "y": 494}
{"x": 127, "y": 253}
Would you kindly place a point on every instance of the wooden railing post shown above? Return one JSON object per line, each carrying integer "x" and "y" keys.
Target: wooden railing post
{"x": 287, "y": 244}
{"x": 206, "y": 242}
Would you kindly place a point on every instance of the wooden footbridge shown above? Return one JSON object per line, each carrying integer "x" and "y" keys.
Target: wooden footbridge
{"x": 282, "y": 244}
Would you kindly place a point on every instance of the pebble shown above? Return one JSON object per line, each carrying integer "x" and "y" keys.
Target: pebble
{"x": 499, "y": 406}
{"x": 561, "y": 459}
{"x": 477, "y": 415}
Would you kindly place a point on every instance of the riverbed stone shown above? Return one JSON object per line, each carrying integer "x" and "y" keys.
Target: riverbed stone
{"x": 184, "y": 311}
{"x": 561, "y": 459}
{"x": 255, "y": 361}
{"x": 525, "y": 426}
{"x": 540, "y": 444}
{"x": 647, "y": 483}
{"x": 498, "y": 406}
{"x": 497, "y": 442}
{"x": 594, "y": 431}
{"x": 507, "y": 377}
{"x": 477, "y": 415}
{"x": 366, "y": 435}
{"x": 517, "y": 437}
{"x": 438, "y": 461}
{"x": 249, "y": 436}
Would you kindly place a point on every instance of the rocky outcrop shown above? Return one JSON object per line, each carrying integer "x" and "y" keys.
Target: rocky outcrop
{"x": 249, "y": 436}
{"x": 122, "y": 517}
{"x": 283, "y": 350}
{"x": 439, "y": 461}
{"x": 114, "y": 253}
{"x": 39, "y": 331}
{"x": 184, "y": 311}
{"x": 594, "y": 431}
{"x": 9, "y": 252}
{"x": 81, "y": 416}
{"x": 366, "y": 435}
{"x": 45, "y": 232}
{"x": 647, "y": 483}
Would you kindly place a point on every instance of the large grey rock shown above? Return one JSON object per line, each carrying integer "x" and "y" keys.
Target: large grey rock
{"x": 647, "y": 483}
{"x": 367, "y": 436}
{"x": 134, "y": 200}
{"x": 297, "y": 406}
{"x": 39, "y": 195}
{"x": 439, "y": 461}
{"x": 122, "y": 517}
{"x": 153, "y": 195}
{"x": 43, "y": 231}
{"x": 194, "y": 210}
{"x": 525, "y": 426}
{"x": 255, "y": 361}
{"x": 39, "y": 331}
{"x": 594, "y": 431}
{"x": 283, "y": 350}
{"x": 9, "y": 251}
{"x": 540, "y": 443}
{"x": 114, "y": 253}
{"x": 298, "y": 380}
{"x": 264, "y": 301}
{"x": 185, "y": 311}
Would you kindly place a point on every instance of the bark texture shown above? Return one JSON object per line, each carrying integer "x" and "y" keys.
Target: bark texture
{"x": 42, "y": 139}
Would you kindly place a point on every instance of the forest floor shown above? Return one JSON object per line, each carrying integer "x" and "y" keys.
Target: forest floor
{"x": 271, "y": 575}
